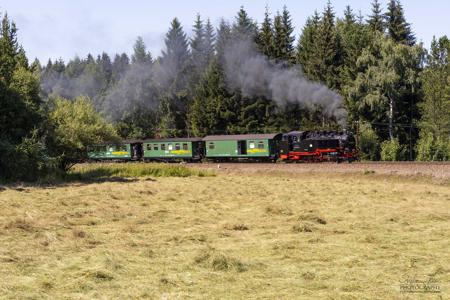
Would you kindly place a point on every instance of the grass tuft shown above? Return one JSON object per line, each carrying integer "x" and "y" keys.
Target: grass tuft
{"x": 303, "y": 227}
{"x": 99, "y": 275}
{"x": 21, "y": 223}
{"x": 237, "y": 227}
{"x": 219, "y": 261}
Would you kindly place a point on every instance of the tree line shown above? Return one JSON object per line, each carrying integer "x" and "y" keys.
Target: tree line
{"x": 396, "y": 92}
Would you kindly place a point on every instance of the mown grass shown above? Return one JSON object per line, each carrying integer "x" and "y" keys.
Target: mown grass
{"x": 132, "y": 170}
{"x": 230, "y": 236}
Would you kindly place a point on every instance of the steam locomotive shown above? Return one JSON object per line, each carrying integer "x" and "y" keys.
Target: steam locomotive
{"x": 295, "y": 146}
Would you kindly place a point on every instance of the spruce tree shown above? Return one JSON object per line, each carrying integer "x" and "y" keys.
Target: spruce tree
{"x": 376, "y": 19}
{"x": 283, "y": 39}
{"x": 9, "y": 49}
{"x": 224, "y": 36}
{"x": 21, "y": 118}
{"x": 197, "y": 44}
{"x": 265, "y": 39}
{"x": 173, "y": 80}
{"x": 288, "y": 41}
{"x": 328, "y": 49}
{"x": 307, "y": 45}
{"x": 209, "y": 42}
{"x": 398, "y": 29}
{"x": 244, "y": 27}
{"x": 140, "y": 54}
{"x": 213, "y": 108}
{"x": 176, "y": 54}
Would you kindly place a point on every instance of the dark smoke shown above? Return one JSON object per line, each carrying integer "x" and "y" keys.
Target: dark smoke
{"x": 255, "y": 75}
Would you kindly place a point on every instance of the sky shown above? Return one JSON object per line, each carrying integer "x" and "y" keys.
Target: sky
{"x": 65, "y": 28}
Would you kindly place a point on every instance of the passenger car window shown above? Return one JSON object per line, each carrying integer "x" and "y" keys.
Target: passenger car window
{"x": 261, "y": 145}
{"x": 163, "y": 146}
{"x": 170, "y": 146}
{"x": 155, "y": 146}
{"x": 185, "y": 146}
{"x": 149, "y": 147}
{"x": 211, "y": 146}
{"x": 251, "y": 144}
{"x": 177, "y": 146}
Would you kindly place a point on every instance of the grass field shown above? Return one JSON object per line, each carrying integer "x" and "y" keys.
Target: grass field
{"x": 230, "y": 236}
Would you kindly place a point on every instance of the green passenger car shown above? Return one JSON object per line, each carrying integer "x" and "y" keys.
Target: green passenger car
{"x": 121, "y": 151}
{"x": 173, "y": 149}
{"x": 257, "y": 146}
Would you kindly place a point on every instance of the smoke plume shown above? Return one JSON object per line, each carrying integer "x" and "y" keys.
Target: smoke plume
{"x": 253, "y": 74}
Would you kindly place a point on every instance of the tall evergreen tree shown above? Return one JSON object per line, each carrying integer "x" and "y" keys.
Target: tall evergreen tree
{"x": 244, "y": 27}
{"x": 283, "y": 39}
{"x": 398, "y": 29}
{"x": 223, "y": 39}
{"x": 9, "y": 49}
{"x": 354, "y": 37}
{"x": 328, "y": 50}
{"x": 288, "y": 29}
{"x": 119, "y": 66}
{"x": 173, "y": 80}
{"x": 213, "y": 108}
{"x": 209, "y": 43}
{"x": 140, "y": 54}
{"x": 21, "y": 117}
{"x": 307, "y": 45}
{"x": 376, "y": 19}
{"x": 197, "y": 44}
{"x": 265, "y": 39}
{"x": 175, "y": 57}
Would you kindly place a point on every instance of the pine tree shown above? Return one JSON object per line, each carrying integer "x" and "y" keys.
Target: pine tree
{"x": 328, "y": 50}
{"x": 265, "y": 39}
{"x": 176, "y": 55}
{"x": 120, "y": 64}
{"x": 398, "y": 29}
{"x": 288, "y": 41}
{"x": 212, "y": 111}
{"x": 9, "y": 49}
{"x": 197, "y": 44}
{"x": 283, "y": 39}
{"x": 173, "y": 81}
{"x": 223, "y": 39}
{"x": 209, "y": 42}
{"x": 376, "y": 20}
{"x": 307, "y": 45}
{"x": 354, "y": 37}
{"x": 244, "y": 27}
{"x": 21, "y": 116}
{"x": 140, "y": 54}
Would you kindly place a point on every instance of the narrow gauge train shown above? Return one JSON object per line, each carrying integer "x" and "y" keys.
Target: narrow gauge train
{"x": 295, "y": 146}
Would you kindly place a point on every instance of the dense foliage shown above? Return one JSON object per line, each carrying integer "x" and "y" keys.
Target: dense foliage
{"x": 396, "y": 94}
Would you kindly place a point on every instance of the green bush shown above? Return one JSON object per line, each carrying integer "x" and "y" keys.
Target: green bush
{"x": 75, "y": 125}
{"x": 431, "y": 148}
{"x": 27, "y": 161}
{"x": 368, "y": 144}
{"x": 391, "y": 150}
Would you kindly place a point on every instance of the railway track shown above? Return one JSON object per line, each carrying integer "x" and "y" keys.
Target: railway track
{"x": 440, "y": 170}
